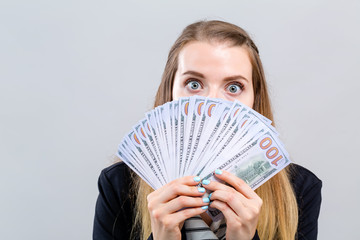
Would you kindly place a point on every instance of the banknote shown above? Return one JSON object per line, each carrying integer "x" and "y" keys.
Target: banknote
{"x": 255, "y": 163}
{"x": 196, "y": 135}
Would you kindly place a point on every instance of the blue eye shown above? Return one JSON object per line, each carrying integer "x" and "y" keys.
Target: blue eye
{"x": 234, "y": 88}
{"x": 194, "y": 85}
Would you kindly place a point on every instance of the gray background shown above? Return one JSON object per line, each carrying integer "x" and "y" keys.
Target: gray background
{"x": 76, "y": 75}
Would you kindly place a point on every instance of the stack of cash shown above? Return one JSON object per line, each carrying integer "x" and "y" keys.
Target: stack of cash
{"x": 196, "y": 135}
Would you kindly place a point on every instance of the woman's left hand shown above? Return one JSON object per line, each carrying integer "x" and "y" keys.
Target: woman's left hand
{"x": 238, "y": 202}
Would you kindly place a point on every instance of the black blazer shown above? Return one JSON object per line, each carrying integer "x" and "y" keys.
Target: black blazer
{"x": 114, "y": 209}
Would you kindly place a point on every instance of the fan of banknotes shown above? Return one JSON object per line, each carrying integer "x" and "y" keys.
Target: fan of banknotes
{"x": 196, "y": 135}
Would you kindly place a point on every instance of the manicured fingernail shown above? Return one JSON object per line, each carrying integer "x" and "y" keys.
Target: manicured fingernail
{"x": 197, "y": 179}
{"x": 206, "y": 200}
{"x": 201, "y": 189}
{"x": 204, "y": 207}
{"x": 210, "y": 195}
{"x": 218, "y": 172}
{"x": 205, "y": 182}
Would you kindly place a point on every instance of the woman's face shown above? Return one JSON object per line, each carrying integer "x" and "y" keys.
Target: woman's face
{"x": 214, "y": 70}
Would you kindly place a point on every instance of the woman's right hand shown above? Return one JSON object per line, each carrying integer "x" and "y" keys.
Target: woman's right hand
{"x": 170, "y": 205}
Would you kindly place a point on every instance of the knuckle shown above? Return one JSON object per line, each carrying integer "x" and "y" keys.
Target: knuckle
{"x": 230, "y": 197}
{"x": 150, "y": 206}
{"x": 218, "y": 205}
{"x": 256, "y": 211}
{"x": 189, "y": 213}
{"x": 257, "y": 204}
{"x": 176, "y": 188}
{"x": 260, "y": 202}
{"x": 248, "y": 217}
{"x": 167, "y": 222}
{"x": 182, "y": 200}
{"x": 148, "y": 197}
{"x": 238, "y": 224}
{"x": 156, "y": 214}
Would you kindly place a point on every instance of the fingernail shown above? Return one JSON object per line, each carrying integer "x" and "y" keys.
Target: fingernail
{"x": 218, "y": 172}
{"x": 197, "y": 179}
{"x": 210, "y": 195}
{"x": 205, "y": 182}
{"x": 204, "y": 207}
{"x": 201, "y": 189}
{"x": 206, "y": 200}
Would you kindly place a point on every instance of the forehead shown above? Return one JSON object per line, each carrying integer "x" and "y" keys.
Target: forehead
{"x": 213, "y": 57}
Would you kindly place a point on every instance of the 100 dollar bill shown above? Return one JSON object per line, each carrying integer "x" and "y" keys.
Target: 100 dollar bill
{"x": 255, "y": 163}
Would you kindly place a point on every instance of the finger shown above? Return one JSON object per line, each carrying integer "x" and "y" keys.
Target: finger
{"x": 236, "y": 201}
{"x": 187, "y": 180}
{"x": 245, "y": 223}
{"x": 172, "y": 189}
{"x": 180, "y": 190}
{"x": 184, "y": 202}
{"x": 216, "y": 186}
{"x": 186, "y": 213}
{"x": 237, "y": 183}
{"x": 232, "y": 198}
{"x": 229, "y": 214}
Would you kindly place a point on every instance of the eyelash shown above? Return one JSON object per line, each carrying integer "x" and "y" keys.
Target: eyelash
{"x": 193, "y": 80}
{"x": 239, "y": 84}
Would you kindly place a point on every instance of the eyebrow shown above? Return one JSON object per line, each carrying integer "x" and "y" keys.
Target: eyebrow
{"x": 194, "y": 73}
{"x": 200, "y": 75}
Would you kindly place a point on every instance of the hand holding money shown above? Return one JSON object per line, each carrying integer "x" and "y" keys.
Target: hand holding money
{"x": 239, "y": 204}
{"x": 195, "y": 135}
{"x": 170, "y": 205}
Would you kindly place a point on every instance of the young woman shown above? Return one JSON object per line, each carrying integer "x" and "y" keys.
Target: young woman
{"x": 213, "y": 59}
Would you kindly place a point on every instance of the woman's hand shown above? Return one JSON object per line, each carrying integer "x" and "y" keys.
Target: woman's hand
{"x": 172, "y": 204}
{"x": 238, "y": 202}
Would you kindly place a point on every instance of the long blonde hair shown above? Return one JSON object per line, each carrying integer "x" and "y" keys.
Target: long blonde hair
{"x": 279, "y": 214}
